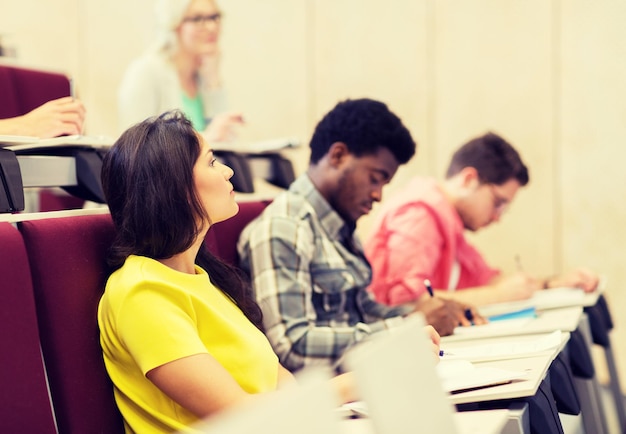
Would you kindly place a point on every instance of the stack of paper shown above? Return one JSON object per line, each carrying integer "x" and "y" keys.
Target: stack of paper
{"x": 461, "y": 375}
{"x": 505, "y": 350}
{"x": 565, "y": 319}
{"x": 552, "y": 298}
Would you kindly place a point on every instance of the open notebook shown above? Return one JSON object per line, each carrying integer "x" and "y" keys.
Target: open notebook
{"x": 23, "y": 143}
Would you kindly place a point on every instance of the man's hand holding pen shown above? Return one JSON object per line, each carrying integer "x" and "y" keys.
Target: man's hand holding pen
{"x": 468, "y": 315}
{"x": 438, "y": 314}
{"x": 445, "y": 314}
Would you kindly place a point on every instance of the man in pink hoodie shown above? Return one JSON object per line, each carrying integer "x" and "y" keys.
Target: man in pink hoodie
{"x": 419, "y": 233}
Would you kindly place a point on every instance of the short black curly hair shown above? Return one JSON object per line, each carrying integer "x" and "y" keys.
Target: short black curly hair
{"x": 364, "y": 125}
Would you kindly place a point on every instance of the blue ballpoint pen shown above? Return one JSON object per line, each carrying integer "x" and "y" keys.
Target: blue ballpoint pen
{"x": 429, "y": 287}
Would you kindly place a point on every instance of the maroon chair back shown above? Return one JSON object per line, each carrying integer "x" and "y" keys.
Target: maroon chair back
{"x": 52, "y": 200}
{"x": 24, "y": 399}
{"x": 27, "y": 89}
{"x": 10, "y": 102}
{"x": 222, "y": 238}
{"x": 67, "y": 258}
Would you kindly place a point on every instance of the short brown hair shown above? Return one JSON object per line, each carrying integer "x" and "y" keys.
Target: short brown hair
{"x": 495, "y": 160}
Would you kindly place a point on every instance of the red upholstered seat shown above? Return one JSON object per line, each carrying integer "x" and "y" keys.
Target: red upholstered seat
{"x": 222, "y": 238}
{"x": 52, "y": 200}
{"x": 10, "y": 103}
{"x": 67, "y": 257}
{"x": 24, "y": 89}
{"x": 24, "y": 400}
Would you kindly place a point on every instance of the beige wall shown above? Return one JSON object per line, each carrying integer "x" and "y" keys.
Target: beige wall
{"x": 548, "y": 75}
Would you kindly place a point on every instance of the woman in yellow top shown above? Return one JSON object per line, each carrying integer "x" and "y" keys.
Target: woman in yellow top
{"x": 180, "y": 333}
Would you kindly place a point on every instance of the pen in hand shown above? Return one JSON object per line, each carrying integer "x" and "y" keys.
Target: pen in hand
{"x": 429, "y": 287}
{"x": 72, "y": 90}
{"x": 518, "y": 263}
{"x": 468, "y": 312}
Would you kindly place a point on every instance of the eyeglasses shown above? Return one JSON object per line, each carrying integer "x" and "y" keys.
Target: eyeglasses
{"x": 199, "y": 20}
{"x": 500, "y": 204}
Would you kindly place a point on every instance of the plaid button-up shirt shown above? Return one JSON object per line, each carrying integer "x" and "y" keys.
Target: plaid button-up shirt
{"x": 310, "y": 286}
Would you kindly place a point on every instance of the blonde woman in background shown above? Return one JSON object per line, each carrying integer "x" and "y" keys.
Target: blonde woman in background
{"x": 181, "y": 71}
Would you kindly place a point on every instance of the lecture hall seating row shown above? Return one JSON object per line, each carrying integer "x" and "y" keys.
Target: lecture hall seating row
{"x": 52, "y": 274}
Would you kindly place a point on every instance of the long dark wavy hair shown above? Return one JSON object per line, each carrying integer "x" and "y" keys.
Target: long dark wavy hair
{"x": 147, "y": 178}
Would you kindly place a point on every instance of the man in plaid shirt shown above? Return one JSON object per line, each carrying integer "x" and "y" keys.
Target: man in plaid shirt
{"x": 308, "y": 269}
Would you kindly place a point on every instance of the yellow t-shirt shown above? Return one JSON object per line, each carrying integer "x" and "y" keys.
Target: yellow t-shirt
{"x": 150, "y": 315}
